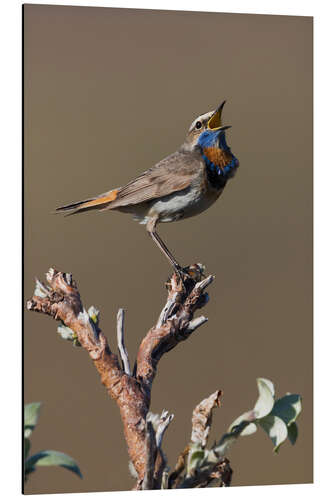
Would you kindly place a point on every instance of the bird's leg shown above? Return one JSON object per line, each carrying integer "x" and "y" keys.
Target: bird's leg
{"x": 162, "y": 246}
{"x": 151, "y": 228}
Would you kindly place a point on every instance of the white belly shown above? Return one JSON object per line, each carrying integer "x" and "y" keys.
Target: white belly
{"x": 180, "y": 205}
{"x": 173, "y": 207}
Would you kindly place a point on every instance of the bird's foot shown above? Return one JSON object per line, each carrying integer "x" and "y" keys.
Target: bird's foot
{"x": 196, "y": 271}
{"x": 189, "y": 275}
{"x": 184, "y": 277}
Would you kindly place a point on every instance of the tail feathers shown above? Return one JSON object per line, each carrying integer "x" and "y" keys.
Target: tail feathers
{"x": 99, "y": 202}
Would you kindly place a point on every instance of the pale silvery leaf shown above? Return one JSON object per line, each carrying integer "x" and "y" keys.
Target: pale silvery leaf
{"x": 249, "y": 416}
{"x": 41, "y": 290}
{"x": 65, "y": 332}
{"x": 275, "y": 428}
{"x": 93, "y": 314}
{"x": 288, "y": 408}
{"x": 51, "y": 457}
{"x": 26, "y": 448}
{"x": 195, "y": 457}
{"x": 269, "y": 384}
{"x": 262, "y": 407}
{"x": 31, "y": 415}
{"x": 249, "y": 429}
{"x": 292, "y": 432}
{"x": 265, "y": 401}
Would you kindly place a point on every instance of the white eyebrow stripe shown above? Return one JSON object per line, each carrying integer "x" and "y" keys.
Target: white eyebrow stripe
{"x": 202, "y": 118}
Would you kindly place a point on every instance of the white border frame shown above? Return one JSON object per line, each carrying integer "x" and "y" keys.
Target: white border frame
{"x": 10, "y": 123}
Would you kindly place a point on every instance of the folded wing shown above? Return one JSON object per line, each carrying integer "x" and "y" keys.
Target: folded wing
{"x": 174, "y": 173}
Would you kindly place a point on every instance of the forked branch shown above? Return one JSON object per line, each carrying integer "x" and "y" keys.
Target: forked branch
{"x": 61, "y": 300}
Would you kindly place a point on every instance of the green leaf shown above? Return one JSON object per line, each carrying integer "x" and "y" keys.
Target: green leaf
{"x": 51, "y": 457}
{"x": 270, "y": 385}
{"x": 277, "y": 418}
{"x": 230, "y": 437}
{"x": 249, "y": 429}
{"x": 27, "y": 471}
{"x": 265, "y": 401}
{"x": 288, "y": 408}
{"x": 249, "y": 416}
{"x": 65, "y": 332}
{"x": 263, "y": 407}
{"x": 26, "y": 447}
{"x": 275, "y": 428}
{"x": 31, "y": 415}
{"x": 195, "y": 457}
{"x": 94, "y": 314}
{"x": 292, "y": 432}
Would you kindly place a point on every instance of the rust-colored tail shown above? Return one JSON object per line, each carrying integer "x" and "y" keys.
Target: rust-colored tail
{"x": 98, "y": 202}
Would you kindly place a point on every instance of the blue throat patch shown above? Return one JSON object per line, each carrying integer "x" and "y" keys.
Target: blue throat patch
{"x": 217, "y": 175}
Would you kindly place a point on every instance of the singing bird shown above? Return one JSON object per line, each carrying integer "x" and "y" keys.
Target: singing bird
{"x": 181, "y": 185}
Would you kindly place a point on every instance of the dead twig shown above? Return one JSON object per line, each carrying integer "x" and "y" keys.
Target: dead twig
{"x": 202, "y": 418}
{"x": 121, "y": 342}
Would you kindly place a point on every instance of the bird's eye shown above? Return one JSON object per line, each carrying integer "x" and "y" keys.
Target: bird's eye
{"x": 198, "y": 125}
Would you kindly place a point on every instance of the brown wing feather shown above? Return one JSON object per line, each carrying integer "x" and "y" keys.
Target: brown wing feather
{"x": 174, "y": 173}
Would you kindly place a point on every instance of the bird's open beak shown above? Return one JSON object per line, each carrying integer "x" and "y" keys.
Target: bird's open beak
{"x": 215, "y": 122}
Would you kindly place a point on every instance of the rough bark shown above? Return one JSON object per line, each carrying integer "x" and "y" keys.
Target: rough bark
{"x": 61, "y": 300}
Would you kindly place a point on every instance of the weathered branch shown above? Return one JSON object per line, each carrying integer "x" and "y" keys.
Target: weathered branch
{"x": 121, "y": 342}
{"x": 175, "y": 326}
{"x": 151, "y": 453}
{"x": 197, "y": 466}
{"x": 61, "y": 300}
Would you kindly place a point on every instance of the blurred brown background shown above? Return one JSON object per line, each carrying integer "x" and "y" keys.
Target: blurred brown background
{"x": 108, "y": 93}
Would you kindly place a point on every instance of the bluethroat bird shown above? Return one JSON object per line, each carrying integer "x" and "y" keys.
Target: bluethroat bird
{"x": 181, "y": 185}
